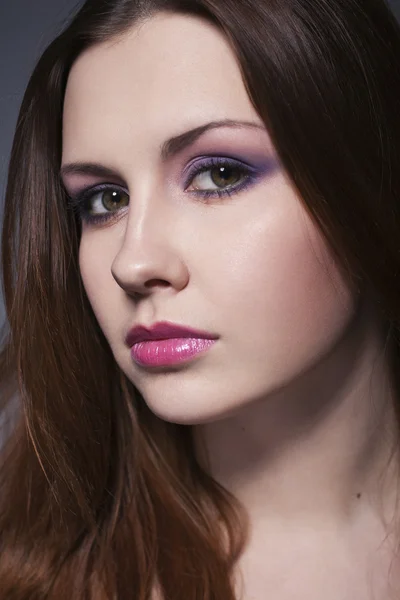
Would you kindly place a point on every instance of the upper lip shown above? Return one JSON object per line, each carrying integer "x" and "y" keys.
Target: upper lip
{"x": 163, "y": 331}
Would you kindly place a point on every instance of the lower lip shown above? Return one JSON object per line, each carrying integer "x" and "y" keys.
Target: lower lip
{"x": 161, "y": 353}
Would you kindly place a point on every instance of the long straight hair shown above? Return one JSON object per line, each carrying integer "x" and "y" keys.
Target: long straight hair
{"x": 100, "y": 499}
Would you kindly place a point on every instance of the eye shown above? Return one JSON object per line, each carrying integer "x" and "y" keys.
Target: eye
{"x": 217, "y": 177}
{"x": 207, "y": 178}
{"x": 108, "y": 199}
{"x": 99, "y": 204}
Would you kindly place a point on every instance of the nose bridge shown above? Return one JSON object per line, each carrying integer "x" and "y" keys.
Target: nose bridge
{"x": 143, "y": 224}
{"x": 147, "y": 255}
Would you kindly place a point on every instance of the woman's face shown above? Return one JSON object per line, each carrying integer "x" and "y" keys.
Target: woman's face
{"x": 248, "y": 266}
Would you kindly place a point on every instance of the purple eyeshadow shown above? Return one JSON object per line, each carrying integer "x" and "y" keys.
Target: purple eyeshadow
{"x": 252, "y": 173}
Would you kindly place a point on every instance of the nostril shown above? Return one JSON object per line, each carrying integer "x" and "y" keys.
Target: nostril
{"x": 156, "y": 282}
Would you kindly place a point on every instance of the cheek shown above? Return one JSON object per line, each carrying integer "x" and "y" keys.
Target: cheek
{"x": 98, "y": 282}
{"x": 283, "y": 292}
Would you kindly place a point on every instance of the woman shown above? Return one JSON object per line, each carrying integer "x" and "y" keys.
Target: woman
{"x": 201, "y": 258}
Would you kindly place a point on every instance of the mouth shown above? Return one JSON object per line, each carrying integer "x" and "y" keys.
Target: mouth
{"x": 167, "y": 344}
{"x": 168, "y": 352}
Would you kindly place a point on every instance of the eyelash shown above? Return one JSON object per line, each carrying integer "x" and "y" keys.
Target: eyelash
{"x": 80, "y": 203}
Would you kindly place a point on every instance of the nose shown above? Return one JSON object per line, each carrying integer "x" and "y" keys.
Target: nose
{"x": 149, "y": 257}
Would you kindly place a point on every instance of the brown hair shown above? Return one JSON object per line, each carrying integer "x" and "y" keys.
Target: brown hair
{"x": 100, "y": 499}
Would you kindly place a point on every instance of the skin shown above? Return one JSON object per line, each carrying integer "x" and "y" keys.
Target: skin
{"x": 294, "y": 401}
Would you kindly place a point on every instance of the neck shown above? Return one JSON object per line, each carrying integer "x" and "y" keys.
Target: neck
{"x": 322, "y": 446}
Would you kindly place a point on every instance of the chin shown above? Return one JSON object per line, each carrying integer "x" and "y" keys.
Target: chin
{"x": 189, "y": 412}
{"x": 192, "y": 412}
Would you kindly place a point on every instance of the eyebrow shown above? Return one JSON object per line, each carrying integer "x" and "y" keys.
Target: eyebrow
{"x": 169, "y": 148}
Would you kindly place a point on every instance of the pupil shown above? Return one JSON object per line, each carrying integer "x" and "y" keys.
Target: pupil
{"x": 224, "y": 175}
{"x": 111, "y": 199}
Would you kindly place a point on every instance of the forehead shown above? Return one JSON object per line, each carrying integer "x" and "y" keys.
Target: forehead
{"x": 169, "y": 74}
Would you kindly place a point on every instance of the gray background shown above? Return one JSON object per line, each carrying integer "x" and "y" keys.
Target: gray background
{"x": 26, "y": 27}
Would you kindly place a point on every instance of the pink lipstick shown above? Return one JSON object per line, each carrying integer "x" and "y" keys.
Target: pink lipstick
{"x": 166, "y": 344}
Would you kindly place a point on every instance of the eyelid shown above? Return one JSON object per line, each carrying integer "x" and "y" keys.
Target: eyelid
{"x": 208, "y": 159}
